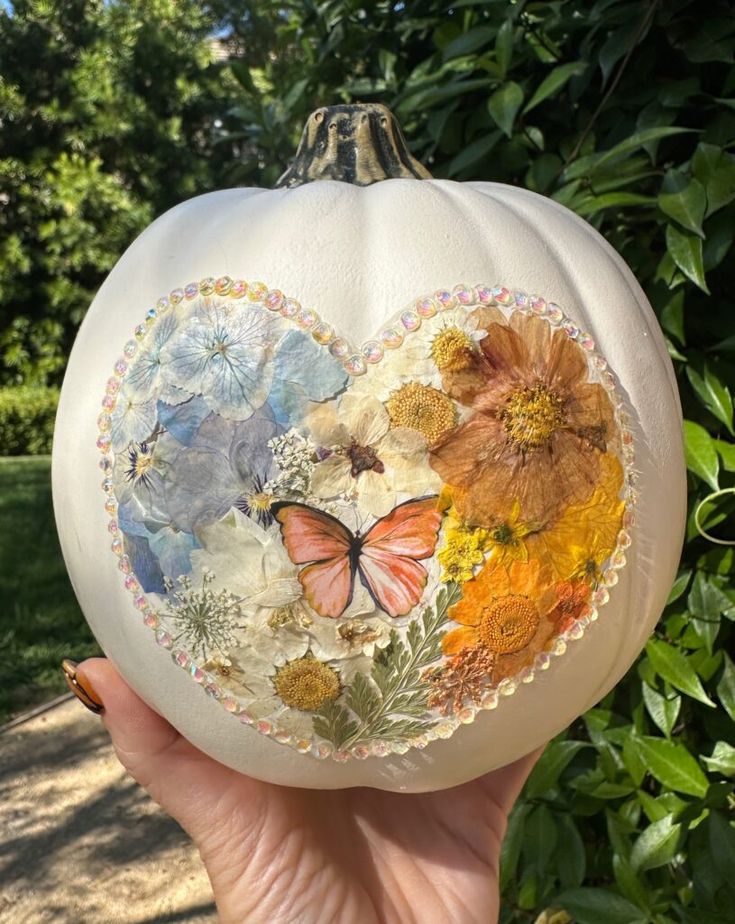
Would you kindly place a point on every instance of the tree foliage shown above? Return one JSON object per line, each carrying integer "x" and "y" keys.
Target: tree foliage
{"x": 622, "y": 110}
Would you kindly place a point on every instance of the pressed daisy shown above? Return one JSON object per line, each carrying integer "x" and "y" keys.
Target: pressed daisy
{"x": 423, "y": 408}
{"x": 585, "y": 535}
{"x": 306, "y": 683}
{"x": 506, "y": 539}
{"x": 501, "y": 609}
{"x": 539, "y": 427}
{"x": 450, "y": 340}
{"x": 364, "y": 457}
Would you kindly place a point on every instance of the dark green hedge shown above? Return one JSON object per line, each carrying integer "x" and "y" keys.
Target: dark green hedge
{"x": 27, "y": 417}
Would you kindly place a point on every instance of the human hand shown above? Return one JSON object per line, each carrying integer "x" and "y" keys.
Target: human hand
{"x": 279, "y": 854}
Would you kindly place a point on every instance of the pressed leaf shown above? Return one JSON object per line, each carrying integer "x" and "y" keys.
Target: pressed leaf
{"x": 672, "y": 665}
{"x": 671, "y": 764}
{"x": 686, "y": 251}
{"x": 600, "y": 906}
{"x": 504, "y": 104}
{"x": 701, "y": 455}
{"x": 554, "y": 82}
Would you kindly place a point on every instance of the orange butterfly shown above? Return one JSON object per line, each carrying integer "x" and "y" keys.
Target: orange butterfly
{"x": 386, "y": 558}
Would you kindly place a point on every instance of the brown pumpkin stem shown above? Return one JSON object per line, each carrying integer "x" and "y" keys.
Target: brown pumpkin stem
{"x": 359, "y": 144}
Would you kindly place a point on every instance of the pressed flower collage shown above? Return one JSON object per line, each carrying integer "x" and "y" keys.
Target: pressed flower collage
{"x": 355, "y": 549}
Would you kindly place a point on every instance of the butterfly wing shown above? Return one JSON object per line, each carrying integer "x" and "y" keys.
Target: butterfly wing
{"x": 389, "y": 561}
{"x": 327, "y": 548}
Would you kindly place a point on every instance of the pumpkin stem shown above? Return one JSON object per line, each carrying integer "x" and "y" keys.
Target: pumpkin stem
{"x": 359, "y": 144}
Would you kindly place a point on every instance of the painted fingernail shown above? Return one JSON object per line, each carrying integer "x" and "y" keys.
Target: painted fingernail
{"x": 84, "y": 691}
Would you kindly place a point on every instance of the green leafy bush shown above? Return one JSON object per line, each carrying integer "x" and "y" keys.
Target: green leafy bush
{"x": 27, "y": 417}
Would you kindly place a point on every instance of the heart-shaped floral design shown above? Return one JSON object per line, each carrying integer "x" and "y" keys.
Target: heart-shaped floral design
{"x": 354, "y": 550}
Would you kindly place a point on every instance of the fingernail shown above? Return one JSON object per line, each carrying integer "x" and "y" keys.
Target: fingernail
{"x": 84, "y": 691}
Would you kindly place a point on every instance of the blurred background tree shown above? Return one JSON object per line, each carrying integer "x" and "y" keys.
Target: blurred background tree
{"x": 623, "y": 110}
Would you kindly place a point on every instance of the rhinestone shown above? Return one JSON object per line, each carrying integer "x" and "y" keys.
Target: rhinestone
{"x": 600, "y": 596}
{"x": 140, "y": 602}
{"x": 307, "y": 319}
{"x": 150, "y": 316}
{"x": 176, "y": 296}
{"x": 129, "y": 349}
{"x": 197, "y": 674}
{"x": 355, "y": 364}
{"x": 264, "y": 726}
{"x": 124, "y": 564}
{"x": 426, "y": 307}
{"x": 339, "y": 348}
{"x": 484, "y": 295}
{"x": 466, "y": 715}
{"x": 290, "y": 308}
{"x": 181, "y": 658}
{"x": 521, "y": 299}
{"x": 104, "y": 422}
{"x": 585, "y": 341}
{"x": 117, "y": 545}
{"x": 360, "y": 752}
{"x": 391, "y": 338}
{"x": 618, "y": 559}
{"x": 554, "y": 312}
{"x": 131, "y": 583}
{"x": 543, "y": 661}
{"x": 191, "y": 290}
{"x": 464, "y": 294}
{"x": 399, "y": 747}
{"x": 273, "y": 300}
{"x": 238, "y": 288}
{"x": 322, "y": 751}
{"x": 489, "y": 700}
{"x": 111, "y": 506}
{"x": 247, "y": 718}
{"x": 570, "y": 330}
{"x": 559, "y": 647}
{"x": 151, "y": 620}
{"x": 164, "y": 638}
{"x": 629, "y": 518}
{"x": 163, "y": 304}
{"x": 256, "y": 291}
{"x": 380, "y": 749}
{"x": 213, "y": 689}
{"x": 599, "y": 363}
{"x": 372, "y": 351}
{"x": 410, "y": 320}
{"x": 106, "y": 464}
{"x": 538, "y": 304}
{"x": 108, "y": 402}
{"x": 322, "y": 332}
{"x": 502, "y": 295}
{"x": 107, "y": 485}
{"x": 445, "y": 299}
{"x": 230, "y": 704}
{"x": 113, "y": 527}
{"x": 121, "y": 367}
{"x": 610, "y": 577}
{"x": 303, "y": 746}
{"x": 507, "y": 687}
{"x": 526, "y": 675}
{"x": 282, "y": 736}
{"x": 624, "y": 540}
{"x": 113, "y": 386}
{"x": 103, "y": 442}
{"x": 206, "y": 286}
{"x": 575, "y": 631}
{"x": 223, "y": 285}
{"x": 140, "y": 331}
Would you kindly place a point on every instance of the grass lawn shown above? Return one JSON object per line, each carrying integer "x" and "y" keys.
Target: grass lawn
{"x": 40, "y": 620}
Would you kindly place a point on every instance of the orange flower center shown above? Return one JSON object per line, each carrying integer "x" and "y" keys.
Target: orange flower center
{"x": 531, "y": 415}
{"x": 508, "y": 623}
{"x": 423, "y": 408}
{"x": 306, "y": 684}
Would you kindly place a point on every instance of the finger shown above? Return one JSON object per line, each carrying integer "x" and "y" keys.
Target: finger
{"x": 507, "y": 782}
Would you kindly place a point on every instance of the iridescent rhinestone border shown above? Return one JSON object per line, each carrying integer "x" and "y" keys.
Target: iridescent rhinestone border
{"x": 355, "y": 362}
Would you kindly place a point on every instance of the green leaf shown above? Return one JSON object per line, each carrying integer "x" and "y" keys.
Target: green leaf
{"x": 473, "y": 153}
{"x": 722, "y": 759}
{"x": 671, "y": 764}
{"x": 726, "y": 686}
{"x": 600, "y": 906}
{"x": 657, "y": 845}
{"x": 554, "y": 81}
{"x": 679, "y": 586}
{"x": 672, "y": 665}
{"x": 701, "y": 455}
{"x": 715, "y": 169}
{"x": 714, "y": 395}
{"x": 672, "y": 317}
{"x": 334, "y": 723}
{"x": 664, "y": 710}
{"x": 571, "y": 861}
{"x": 504, "y": 46}
{"x": 706, "y": 604}
{"x": 591, "y": 163}
{"x": 510, "y": 849}
{"x": 468, "y": 42}
{"x": 686, "y": 251}
{"x": 539, "y": 839}
{"x": 503, "y": 106}
{"x": 550, "y": 765}
{"x": 721, "y": 844}
{"x": 629, "y": 882}
{"x": 726, "y": 452}
{"x": 683, "y": 199}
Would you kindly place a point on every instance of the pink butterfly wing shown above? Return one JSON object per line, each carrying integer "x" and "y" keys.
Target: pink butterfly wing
{"x": 321, "y": 542}
{"x": 391, "y": 551}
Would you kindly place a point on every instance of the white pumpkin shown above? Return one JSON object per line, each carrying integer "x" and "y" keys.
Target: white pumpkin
{"x": 340, "y": 263}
